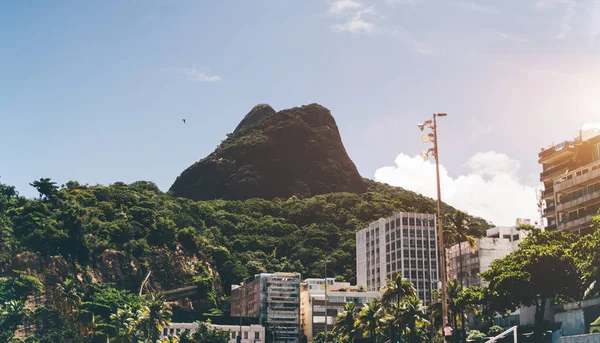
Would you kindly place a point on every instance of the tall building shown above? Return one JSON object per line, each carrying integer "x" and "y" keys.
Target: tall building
{"x": 312, "y": 299}
{"x": 571, "y": 177}
{"x": 273, "y": 299}
{"x": 403, "y": 243}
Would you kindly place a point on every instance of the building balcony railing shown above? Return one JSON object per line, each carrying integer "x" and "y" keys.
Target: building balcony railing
{"x": 557, "y": 171}
{"x": 564, "y": 206}
{"x": 549, "y": 210}
{"x": 548, "y": 192}
{"x": 551, "y": 227}
{"x": 577, "y": 177}
{"x": 556, "y": 150}
{"x": 573, "y": 223}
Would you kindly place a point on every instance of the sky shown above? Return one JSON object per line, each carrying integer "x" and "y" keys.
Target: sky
{"x": 95, "y": 91}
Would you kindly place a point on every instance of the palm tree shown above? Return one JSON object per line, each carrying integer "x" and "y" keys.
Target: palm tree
{"x": 369, "y": 319}
{"x": 344, "y": 323}
{"x": 127, "y": 323}
{"x": 460, "y": 229}
{"x": 67, "y": 297}
{"x": 394, "y": 293}
{"x": 158, "y": 317}
{"x": 12, "y": 315}
{"x": 414, "y": 317}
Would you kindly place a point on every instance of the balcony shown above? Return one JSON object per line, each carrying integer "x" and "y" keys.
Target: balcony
{"x": 580, "y": 201}
{"x": 548, "y": 192}
{"x": 556, "y": 151}
{"x": 557, "y": 170}
{"x": 574, "y": 224}
{"x": 578, "y": 177}
{"x": 551, "y": 227}
{"x": 549, "y": 211}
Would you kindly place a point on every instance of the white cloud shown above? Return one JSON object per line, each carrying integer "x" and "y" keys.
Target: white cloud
{"x": 474, "y": 7}
{"x": 491, "y": 189}
{"x": 565, "y": 21}
{"x": 352, "y": 15}
{"x": 355, "y": 24}
{"x": 196, "y": 75}
{"x": 341, "y": 6}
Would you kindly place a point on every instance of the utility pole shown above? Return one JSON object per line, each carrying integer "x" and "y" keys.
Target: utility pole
{"x": 426, "y": 139}
{"x": 239, "y": 340}
{"x": 325, "y": 264}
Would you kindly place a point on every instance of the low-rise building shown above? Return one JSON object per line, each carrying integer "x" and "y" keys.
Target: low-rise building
{"x": 273, "y": 299}
{"x": 312, "y": 298}
{"x": 250, "y": 333}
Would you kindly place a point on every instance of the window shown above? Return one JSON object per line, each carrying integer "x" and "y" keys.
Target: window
{"x": 233, "y": 334}
{"x": 387, "y": 238}
{"x": 257, "y": 335}
{"x": 397, "y": 222}
{"x": 393, "y": 256}
{"x": 406, "y": 274}
{"x": 393, "y": 235}
{"x": 393, "y": 246}
{"x": 432, "y": 244}
{"x": 432, "y": 254}
{"x": 387, "y": 227}
{"x": 394, "y": 266}
{"x": 405, "y": 253}
{"x": 404, "y": 221}
{"x": 405, "y": 233}
{"x": 393, "y": 224}
{"x": 506, "y": 236}
{"x": 419, "y": 233}
{"x": 413, "y": 274}
{"x": 420, "y": 254}
{"x": 516, "y": 237}
{"x": 387, "y": 268}
{"x": 411, "y": 221}
{"x": 418, "y": 221}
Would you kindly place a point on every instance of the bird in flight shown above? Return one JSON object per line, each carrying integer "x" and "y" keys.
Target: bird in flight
{"x": 183, "y": 120}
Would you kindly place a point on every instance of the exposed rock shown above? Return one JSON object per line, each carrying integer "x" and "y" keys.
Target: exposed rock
{"x": 256, "y": 114}
{"x": 294, "y": 152}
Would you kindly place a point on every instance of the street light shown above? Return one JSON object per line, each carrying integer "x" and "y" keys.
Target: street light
{"x": 432, "y": 137}
{"x": 325, "y": 263}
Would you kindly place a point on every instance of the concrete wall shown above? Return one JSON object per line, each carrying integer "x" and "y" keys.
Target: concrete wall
{"x": 528, "y": 314}
{"x": 573, "y": 322}
{"x": 593, "y": 338}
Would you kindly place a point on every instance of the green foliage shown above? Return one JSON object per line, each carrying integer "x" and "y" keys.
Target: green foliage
{"x": 541, "y": 270}
{"x": 19, "y": 287}
{"x": 476, "y": 335}
{"x": 495, "y": 331}
{"x": 205, "y": 334}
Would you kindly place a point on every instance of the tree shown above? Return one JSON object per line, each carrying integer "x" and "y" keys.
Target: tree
{"x": 460, "y": 228}
{"x": 13, "y": 314}
{"x": 540, "y": 271}
{"x": 344, "y": 323}
{"x": 158, "y": 316}
{"x": 587, "y": 255}
{"x": 67, "y": 297}
{"x": 394, "y": 292}
{"x": 476, "y": 335}
{"x": 45, "y": 187}
{"x": 205, "y": 334}
{"x": 368, "y": 320}
{"x": 414, "y": 317}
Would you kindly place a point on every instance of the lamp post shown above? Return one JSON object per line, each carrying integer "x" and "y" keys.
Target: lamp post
{"x": 427, "y": 138}
{"x": 325, "y": 263}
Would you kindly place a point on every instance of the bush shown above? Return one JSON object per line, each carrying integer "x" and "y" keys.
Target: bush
{"x": 495, "y": 331}
{"x": 476, "y": 335}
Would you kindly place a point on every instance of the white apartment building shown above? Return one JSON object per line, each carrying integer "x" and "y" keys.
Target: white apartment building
{"x": 403, "y": 243}
{"x": 499, "y": 242}
{"x": 250, "y": 334}
{"x": 312, "y": 303}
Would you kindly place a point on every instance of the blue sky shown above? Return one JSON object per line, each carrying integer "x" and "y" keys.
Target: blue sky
{"x": 95, "y": 91}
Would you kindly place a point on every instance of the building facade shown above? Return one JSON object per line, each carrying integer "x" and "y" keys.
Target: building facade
{"x": 571, "y": 177}
{"x": 273, "y": 299}
{"x": 404, "y": 243}
{"x": 250, "y": 333}
{"x": 500, "y": 241}
{"x": 312, "y": 299}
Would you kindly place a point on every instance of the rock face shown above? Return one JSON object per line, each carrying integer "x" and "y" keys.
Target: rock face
{"x": 292, "y": 152}
{"x": 255, "y": 115}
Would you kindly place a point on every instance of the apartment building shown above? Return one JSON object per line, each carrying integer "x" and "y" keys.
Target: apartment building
{"x": 499, "y": 242}
{"x": 571, "y": 177}
{"x": 312, "y": 300}
{"x": 250, "y": 333}
{"x": 404, "y": 243}
{"x": 273, "y": 299}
